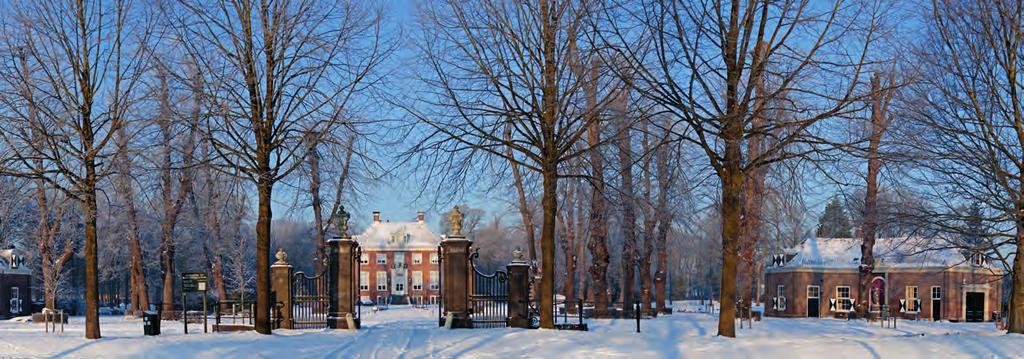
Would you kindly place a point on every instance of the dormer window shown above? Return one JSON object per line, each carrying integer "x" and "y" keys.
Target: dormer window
{"x": 977, "y": 259}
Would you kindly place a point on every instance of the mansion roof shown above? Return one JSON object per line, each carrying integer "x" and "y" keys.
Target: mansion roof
{"x": 383, "y": 235}
{"x": 890, "y": 253}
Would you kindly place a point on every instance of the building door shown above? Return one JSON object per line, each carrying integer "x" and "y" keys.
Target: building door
{"x": 975, "y": 307}
{"x": 877, "y": 299}
{"x": 813, "y": 301}
{"x": 936, "y": 303}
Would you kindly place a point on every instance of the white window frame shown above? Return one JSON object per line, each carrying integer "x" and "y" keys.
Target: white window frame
{"x": 842, "y": 301}
{"x": 417, "y": 258}
{"x": 780, "y": 292}
{"x": 435, "y": 280}
{"x": 364, "y": 280}
{"x": 382, "y": 258}
{"x": 934, "y": 287}
{"x": 911, "y": 300}
{"x": 417, "y": 280}
{"x": 382, "y": 281}
{"x": 433, "y": 258}
{"x": 817, "y": 289}
{"x": 15, "y": 300}
{"x": 364, "y": 258}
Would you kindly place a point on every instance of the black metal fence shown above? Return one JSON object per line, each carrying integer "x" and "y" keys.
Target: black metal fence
{"x": 233, "y": 312}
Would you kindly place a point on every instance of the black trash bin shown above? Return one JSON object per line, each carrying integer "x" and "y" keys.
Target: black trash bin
{"x": 151, "y": 322}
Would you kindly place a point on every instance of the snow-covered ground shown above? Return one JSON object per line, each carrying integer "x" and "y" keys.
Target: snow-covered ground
{"x": 405, "y": 332}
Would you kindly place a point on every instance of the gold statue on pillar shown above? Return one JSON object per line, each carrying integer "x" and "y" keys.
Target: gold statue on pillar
{"x": 343, "y": 218}
{"x": 455, "y": 219}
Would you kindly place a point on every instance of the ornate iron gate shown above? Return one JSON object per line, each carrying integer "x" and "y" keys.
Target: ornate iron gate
{"x": 488, "y": 298}
{"x": 310, "y": 301}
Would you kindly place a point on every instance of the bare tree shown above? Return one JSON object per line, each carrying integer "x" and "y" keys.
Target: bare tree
{"x": 343, "y": 156}
{"x": 175, "y": 177}
{"x": 123, "y": 185}
{"x": 880, "y": 120}
{"x": 627, "y": 199}
{"x": 696, "y": 61}
{"x": 598, "y": 225}
{"x": 274, "y": 71}
{"x": 524, "y": 208}
{"x": 969, "y": 129}
{"x": 495, "y": 65}
{"x": 85, "y": 69}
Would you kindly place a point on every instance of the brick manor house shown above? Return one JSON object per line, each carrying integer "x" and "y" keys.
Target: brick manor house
{"x": 820, "y": 278}
{"x": 399, "y": 263}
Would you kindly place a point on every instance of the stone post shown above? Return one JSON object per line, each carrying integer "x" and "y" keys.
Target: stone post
{"x": 518, "y": 291}
{"x": 343, "y": 292}
{"x": 456, "y": 272}
{"x": 281, "y": 285}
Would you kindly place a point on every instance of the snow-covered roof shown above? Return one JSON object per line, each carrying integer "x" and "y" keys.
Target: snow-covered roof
{"x": 900, "y": 252}
{"x": 7, "y": 265}
{"x": 383, "y": 235}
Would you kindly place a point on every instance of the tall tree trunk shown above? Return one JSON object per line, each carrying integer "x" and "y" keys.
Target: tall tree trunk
{"x": 549, "y": 202}
{"x": 650, "y": 222}
{"x": 215, "y": 204}
{"x": 264, "y": 187}
{"x": 569, "y": 244}
{"x": 1015, "y": 317}
{"x": 172, "y": 201}
{"x": 664, "y": 225}
{"x": 732, "y": 185}
{"x": 581, "y": 254}
{"x": 628, "y": 225}
{"x": 139, "y": 297}
{"x": 313, "y": 161}
{"x": 597, "y": 244}
{"x": 753, "y": 190}
{"x": 92, "y": 310}
{"x": 870, "y": 215}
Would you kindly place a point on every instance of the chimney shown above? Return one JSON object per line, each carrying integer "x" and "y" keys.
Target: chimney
{"x": 376, "y": 216}
{"x": 420, "y": 217}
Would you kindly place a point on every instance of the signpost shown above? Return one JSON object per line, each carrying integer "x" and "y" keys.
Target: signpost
{"x": 192, "y": 282}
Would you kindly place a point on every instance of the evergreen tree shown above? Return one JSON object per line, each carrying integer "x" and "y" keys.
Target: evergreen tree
{"x": 974, "y": 225}
{"x": 834, "y": 223}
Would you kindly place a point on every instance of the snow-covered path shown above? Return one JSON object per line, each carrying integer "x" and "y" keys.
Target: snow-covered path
{"x": 405, "y": 332}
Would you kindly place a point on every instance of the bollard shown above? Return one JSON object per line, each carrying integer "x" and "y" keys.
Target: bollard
{"x": 565, "y": 311}
{"x": 579, "y": 310}
{"x": 637, "y": 309}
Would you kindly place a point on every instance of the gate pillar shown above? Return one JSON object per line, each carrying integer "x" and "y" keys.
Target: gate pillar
{"x": 343, "y": 288}
{"x": 518, "y": 291}
{"x": 455, "y": 289}
{"x": 281, "y": 285}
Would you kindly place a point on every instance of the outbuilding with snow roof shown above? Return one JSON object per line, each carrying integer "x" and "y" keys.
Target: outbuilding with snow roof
{"x": 914, "y": 278}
